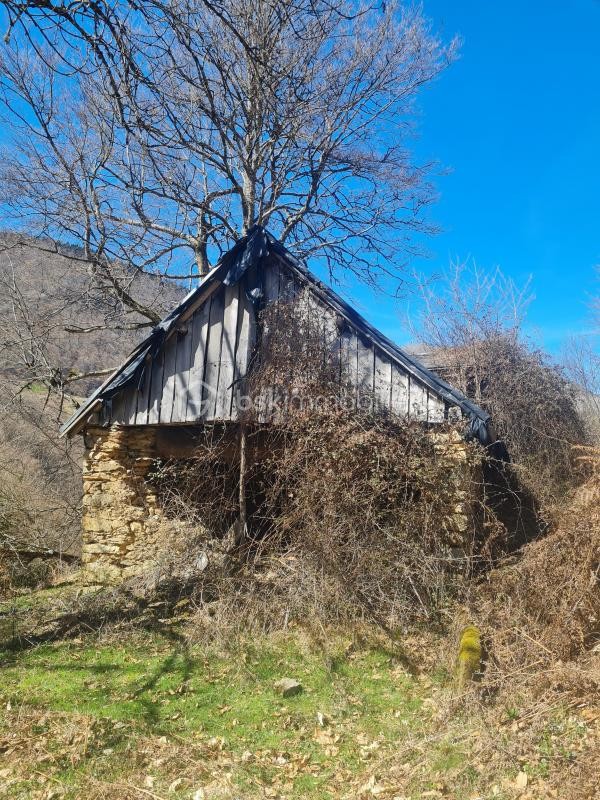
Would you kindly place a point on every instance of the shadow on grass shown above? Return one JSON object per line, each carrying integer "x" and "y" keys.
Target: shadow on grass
{"x": 90, "y": 615}
{"x": 177, "y": 663}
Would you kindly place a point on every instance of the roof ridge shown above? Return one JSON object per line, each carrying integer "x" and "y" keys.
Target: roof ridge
{"x": 251, "y": 250}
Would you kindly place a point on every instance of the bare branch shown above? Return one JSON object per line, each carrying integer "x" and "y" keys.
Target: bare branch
{"x": 190, "y": 122}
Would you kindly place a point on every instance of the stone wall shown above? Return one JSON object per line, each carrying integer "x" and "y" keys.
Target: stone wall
{"x": 120, "y": 519}
{"x": 463, "y": 463}
{"x": 125, "y": 531}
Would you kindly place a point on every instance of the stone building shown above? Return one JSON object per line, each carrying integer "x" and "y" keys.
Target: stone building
{"x": 192, "y": 374}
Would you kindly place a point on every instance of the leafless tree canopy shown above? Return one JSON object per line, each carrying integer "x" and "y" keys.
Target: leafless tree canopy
{"x": 473, "y": 324}
{"x": 59, "y": 325}
{"x": 582, "y": 361}
{"x": 153, "y": 136}
{"x": 469, "y": 305}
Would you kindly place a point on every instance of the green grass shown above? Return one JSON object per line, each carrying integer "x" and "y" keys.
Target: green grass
{"x": 16, "y": 612}
{"x": 349, "y": 708}
{"x": 37, "y": 387}
{"x": 30, "y": 599}
{"x": 151, "y": 677}
{"x": 134, "y": 715}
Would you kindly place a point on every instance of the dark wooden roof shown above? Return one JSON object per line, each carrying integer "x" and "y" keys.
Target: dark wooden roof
{"x": 258, "y": 251}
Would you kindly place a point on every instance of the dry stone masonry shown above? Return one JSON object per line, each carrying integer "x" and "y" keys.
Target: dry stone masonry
{"x": 126, "y": 533}
{"x": 464, "y": 466}
{"x": 120, "y": 520}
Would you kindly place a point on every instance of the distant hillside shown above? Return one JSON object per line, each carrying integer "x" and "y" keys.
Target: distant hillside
{"x": 41, "y": 295}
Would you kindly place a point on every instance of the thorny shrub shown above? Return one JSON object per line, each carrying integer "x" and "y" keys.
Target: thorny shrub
{"x": 349, "y": 516}
{"x": 350, "y": 512}
{"x": 533, "y": 406}
{"x": 543, "y": 609}
{"x": 472, "y": 322}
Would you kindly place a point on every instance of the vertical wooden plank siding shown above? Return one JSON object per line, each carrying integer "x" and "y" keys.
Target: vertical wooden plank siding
{"x": 272, "y": 283}
{"x": 399, "y": 391}
{"x": 290, "y": 292}
{"x": 246, "y": 335}
{"x": 335, "y": 358}
{"x": 436, "y": 409}
{"x": 199, "y": 333}
{"x": 271, "y": 289}
{"x": 199, "y": 375}
{"x": 212, "y": 366}
{"x": 141, "y": 413}
{"x": 169, "y": 372}
{"x": 182, "y": 373}
{"x": 288, "y": 287}
{"x": 349, "y": 363}
{"x": 418, "y": 401}
{"x": 314, "y": 333}
{"x": 330, "y": 336}
{"x": 365, "y": 373}
{"x": 156, "y": 389}
{"x": 119, "y": 411}
{"x": 132, "y": 397}
{"x": 228, "y": 340}
{"x": 382, "y": 390}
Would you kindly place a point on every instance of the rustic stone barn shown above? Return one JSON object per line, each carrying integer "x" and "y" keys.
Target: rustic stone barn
{"x": 191, "y": 373}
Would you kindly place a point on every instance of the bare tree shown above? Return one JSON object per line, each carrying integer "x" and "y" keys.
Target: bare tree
{"x": 472, "y": 324}
{"x": 211, "y": 119}
{"x": 468, "y": 304}
{"x": 60, "y": 327}
{"x": 582, "y": 362}
{"x": 582, "y": 365}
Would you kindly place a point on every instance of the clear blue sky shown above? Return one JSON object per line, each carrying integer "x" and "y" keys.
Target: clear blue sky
{"x": 517, "y": 120}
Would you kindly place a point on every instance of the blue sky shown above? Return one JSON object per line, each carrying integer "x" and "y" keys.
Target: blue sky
{"x": 517, "y": 121}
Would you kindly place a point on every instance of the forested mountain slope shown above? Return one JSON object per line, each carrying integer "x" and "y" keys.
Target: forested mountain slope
{"x": 56, "y": 321}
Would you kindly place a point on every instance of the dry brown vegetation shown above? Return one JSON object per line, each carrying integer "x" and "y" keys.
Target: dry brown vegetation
{"x": 346, "y": 514}
{"x": 346, "y": 522}
{"x": 542, "y": 609}
{"x": 539, "y": 614}
{"x": 347, "y": 519}
{"x": 54, "y": 317}
{"x": 472, "y": 325}
{"x": 533, "y": 406}
{"x": 40, "y": 479}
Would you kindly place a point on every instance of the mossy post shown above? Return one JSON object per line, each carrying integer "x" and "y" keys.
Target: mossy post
{"x": 468, "y": 663}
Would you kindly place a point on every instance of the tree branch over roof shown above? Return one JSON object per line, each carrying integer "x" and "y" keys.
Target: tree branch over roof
{"x": 155, "y": 134}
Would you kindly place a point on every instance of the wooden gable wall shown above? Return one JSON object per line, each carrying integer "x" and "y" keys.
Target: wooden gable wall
{"x": 212, "y": 348}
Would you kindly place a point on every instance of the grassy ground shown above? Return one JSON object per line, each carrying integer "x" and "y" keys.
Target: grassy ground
{"x": 139, "y": 715}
